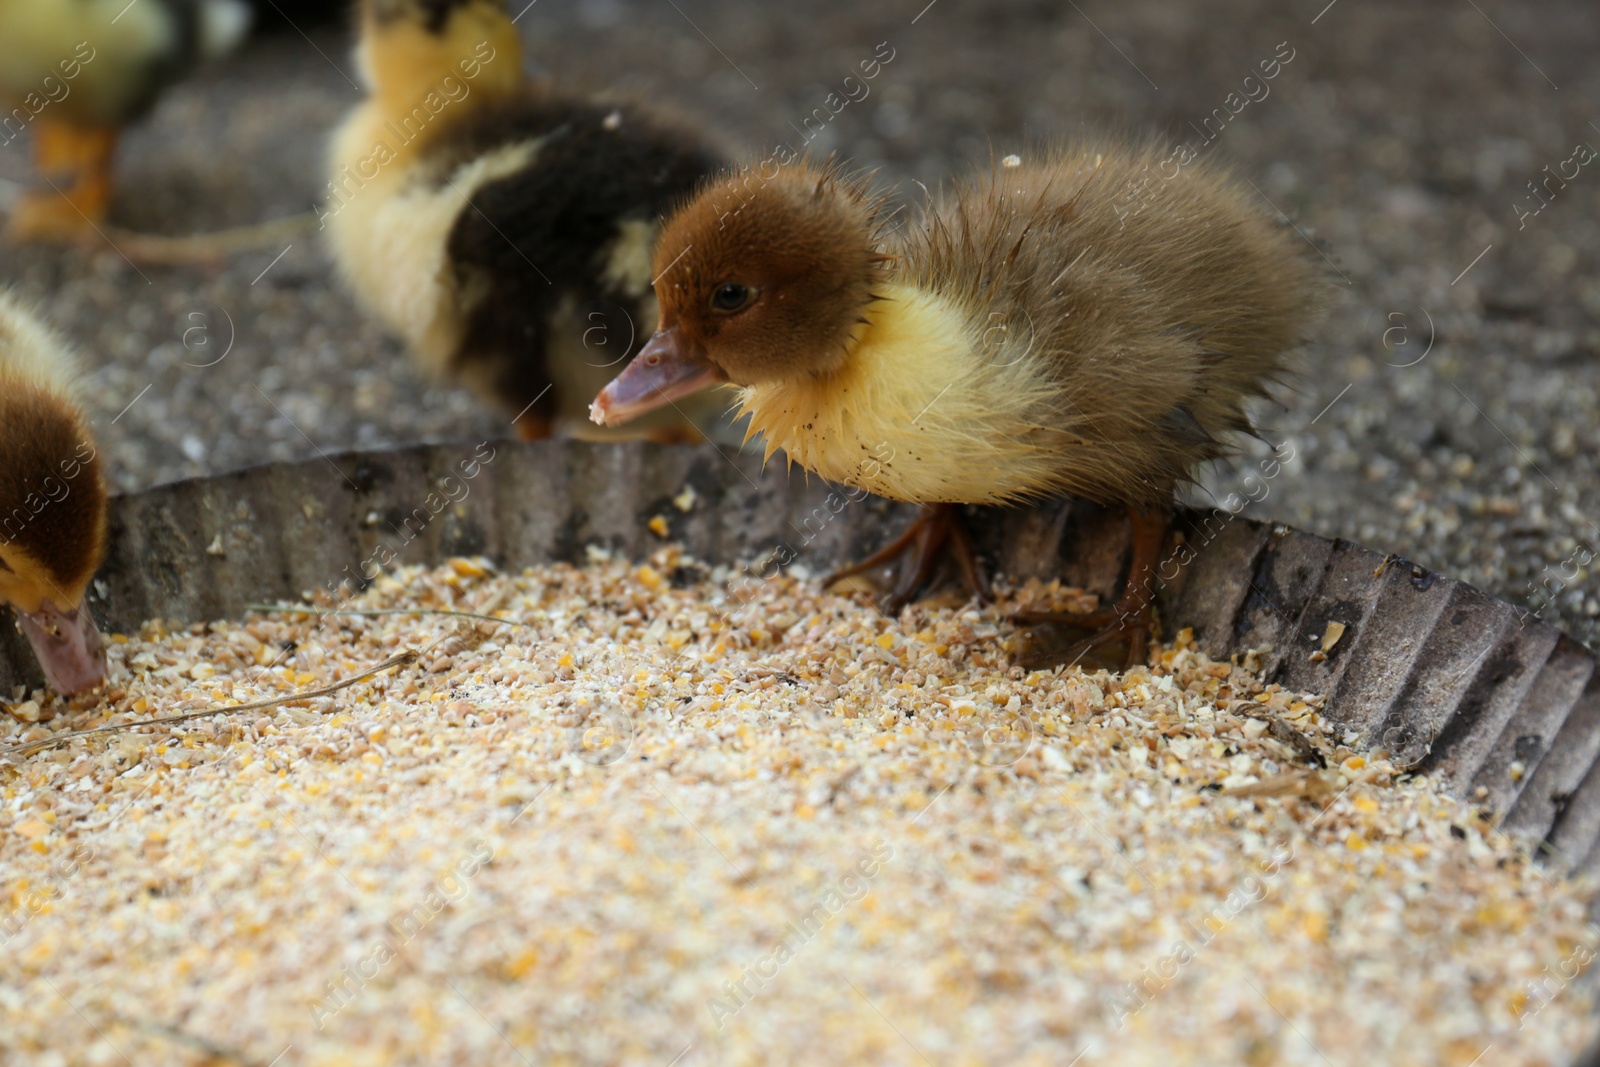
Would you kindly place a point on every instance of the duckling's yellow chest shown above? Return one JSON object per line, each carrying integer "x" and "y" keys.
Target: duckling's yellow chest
{"x": 929, "y": 407}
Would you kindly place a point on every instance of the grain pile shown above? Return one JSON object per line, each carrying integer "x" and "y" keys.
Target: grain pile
{"x": 657, "y": 815}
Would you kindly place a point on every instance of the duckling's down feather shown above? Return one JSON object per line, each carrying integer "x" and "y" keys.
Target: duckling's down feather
{"x": 52, "y": 496}
{"x": 1063, "y": 338}
{"x": 502, "y": 228}
{"x": 107, "y": 61}
{"x": 557, "y": 253}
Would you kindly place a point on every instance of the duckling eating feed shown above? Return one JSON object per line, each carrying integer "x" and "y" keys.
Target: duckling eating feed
{"x": 52, "y": 502}
{"x": 1028, "y": 339}
{"x": 503, "y": 230}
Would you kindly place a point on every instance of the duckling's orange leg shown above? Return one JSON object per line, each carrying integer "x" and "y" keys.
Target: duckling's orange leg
{"x": 531, "y": 427}
{"x": 676, "y": 435}
{"x": 76, "y": 162}
{"x": 938, "y": 528}
{"x": 1129, "y": 619}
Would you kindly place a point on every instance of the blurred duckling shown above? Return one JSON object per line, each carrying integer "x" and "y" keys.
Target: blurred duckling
{"x": 52, "y": 501}
{"x": 1041, "y": 332}
{"x": 503, "y": 230}
{"x": 74, "y": 72}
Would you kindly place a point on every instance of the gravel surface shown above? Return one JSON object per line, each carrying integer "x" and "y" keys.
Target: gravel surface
{"x": 1401, "y": 137}
{"x": 652, "y": 821}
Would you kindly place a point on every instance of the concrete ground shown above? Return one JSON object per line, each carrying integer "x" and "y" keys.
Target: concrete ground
{"x": 1447, "y": 411}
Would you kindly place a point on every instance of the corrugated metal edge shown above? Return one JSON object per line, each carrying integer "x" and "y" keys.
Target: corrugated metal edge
{"x": 1507, "y": 710}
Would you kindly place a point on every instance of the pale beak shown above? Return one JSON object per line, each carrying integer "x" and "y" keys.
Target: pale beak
{"x": 68, "y": 646}
{"x": 662, "y": 372}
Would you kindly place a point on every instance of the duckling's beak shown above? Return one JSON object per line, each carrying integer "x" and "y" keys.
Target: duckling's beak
{"x": 68, "y": 646}
{"x": 664, "y": 370}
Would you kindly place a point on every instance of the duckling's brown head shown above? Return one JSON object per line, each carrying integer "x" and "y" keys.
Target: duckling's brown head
{"x": 758, "y": 280}
{"x": 52, "y": 529}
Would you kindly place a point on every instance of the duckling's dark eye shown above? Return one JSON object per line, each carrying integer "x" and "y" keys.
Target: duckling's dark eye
{"x": 731, "y": 297}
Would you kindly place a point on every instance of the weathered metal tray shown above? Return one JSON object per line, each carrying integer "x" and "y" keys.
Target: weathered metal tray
{"x": 1503, "y": 706}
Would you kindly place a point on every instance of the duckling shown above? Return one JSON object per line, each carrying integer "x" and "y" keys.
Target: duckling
{"x": 502, "y": 229}
{"x": 75, "y": 72}
{"x": 1041, "y": 332}
{"x": 52, "y": 501}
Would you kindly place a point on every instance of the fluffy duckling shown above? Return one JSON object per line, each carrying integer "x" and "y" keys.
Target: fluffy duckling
{"x": 1043, "y": 331}
{"x": 52, "y": 502}
{"x": 503, "y": 230}
{"x": 74, "y": 72}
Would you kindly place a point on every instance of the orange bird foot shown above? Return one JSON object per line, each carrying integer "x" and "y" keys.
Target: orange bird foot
{"x": 1094, "y": 640}
{"x": 676, "y": 435}
{"x": 76, "y": 163}
{"x": 936, "y": 533}
{"x": 532, "y": 428}
{"x": 48, "y": 217}
{"x": 1114, "y": 639}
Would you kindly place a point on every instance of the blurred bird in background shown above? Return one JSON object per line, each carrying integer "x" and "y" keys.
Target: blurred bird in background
{"x": 73, "y": 73}
{"x": 502, "y": 228}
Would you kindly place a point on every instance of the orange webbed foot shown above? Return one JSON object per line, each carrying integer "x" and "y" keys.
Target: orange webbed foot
{"x": 532, "y": 428}
{"x": 937, "y": 532}
{"x": 1117, "y": 637}
{"x": 76, "y": 163}
{"x": 49, "y": 217}
{"x": 676, "y": 435}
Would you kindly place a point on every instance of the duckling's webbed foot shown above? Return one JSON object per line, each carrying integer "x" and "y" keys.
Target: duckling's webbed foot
{"x": 938, "y": 530}
{"x": 77, "y": 164}
{"x": 1095, "y": 640}
{"x": 1116, "y": 638}
{"x": 686, "y": 434}
{"x": 532, "y": 427}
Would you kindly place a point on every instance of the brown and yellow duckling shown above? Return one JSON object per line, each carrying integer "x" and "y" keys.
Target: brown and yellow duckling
{"x": 75, "y": 72}
{"x": 1033, "y": 336}
{"x": 52, "y": 502}
{"x": 504, "y": 230}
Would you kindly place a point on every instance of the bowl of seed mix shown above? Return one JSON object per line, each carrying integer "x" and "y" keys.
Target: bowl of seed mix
{"x": 598, "y": 789}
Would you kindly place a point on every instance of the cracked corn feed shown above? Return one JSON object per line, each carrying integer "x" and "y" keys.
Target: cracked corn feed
{"x": 648, "y": 818}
